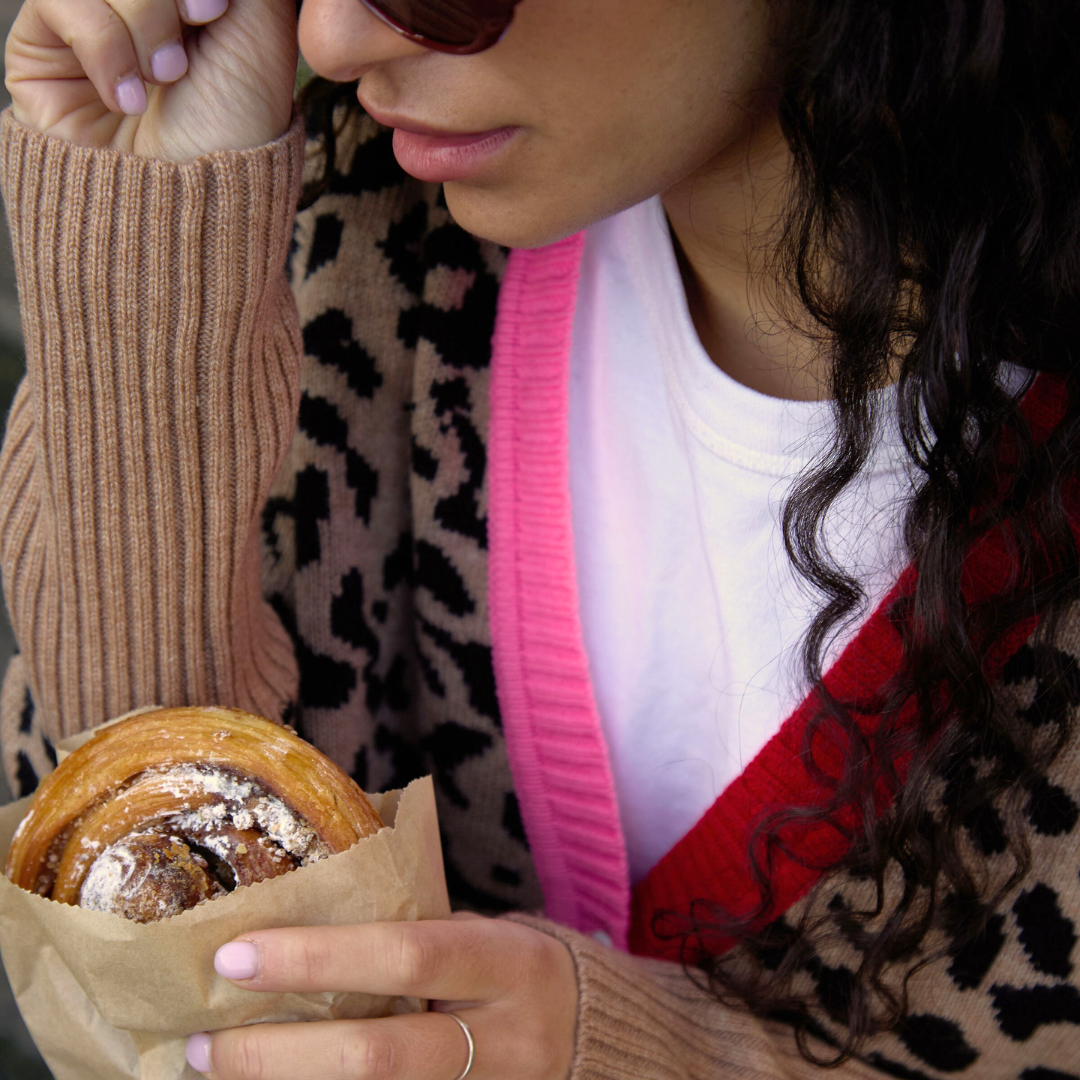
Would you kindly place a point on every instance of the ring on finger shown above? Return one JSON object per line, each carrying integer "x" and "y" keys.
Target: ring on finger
{"x": 469, "y": 1040}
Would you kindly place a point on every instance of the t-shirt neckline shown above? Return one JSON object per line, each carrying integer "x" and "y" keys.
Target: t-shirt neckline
{"x": 761, "y": 433}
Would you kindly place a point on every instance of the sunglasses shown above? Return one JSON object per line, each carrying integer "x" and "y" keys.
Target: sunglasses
{"x": 451, "y": 26}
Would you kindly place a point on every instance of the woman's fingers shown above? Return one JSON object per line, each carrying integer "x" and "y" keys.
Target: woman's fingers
{"x": 119, "y": 45}
{"x": 170, "y": 79}
{"x": 419, "y": 1046}
{"x": 459, "y": 960}
{"x": 155, "y": 31}
{"x": 515, "y": 987}
{"x": 55, "y": 39}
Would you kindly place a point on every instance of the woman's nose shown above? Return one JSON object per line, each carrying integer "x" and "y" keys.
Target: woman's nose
{"x": 341, "y": 39}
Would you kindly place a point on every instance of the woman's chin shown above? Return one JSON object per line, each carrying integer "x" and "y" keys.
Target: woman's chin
{"x": 515, "y": 220}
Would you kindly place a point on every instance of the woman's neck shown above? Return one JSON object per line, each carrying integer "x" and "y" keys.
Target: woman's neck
{"x": 724, "y": 218}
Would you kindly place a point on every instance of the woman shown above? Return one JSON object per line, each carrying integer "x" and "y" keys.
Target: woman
{"x": 730, "y": 603}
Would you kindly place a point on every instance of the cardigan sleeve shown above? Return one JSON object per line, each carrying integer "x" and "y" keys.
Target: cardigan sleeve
{"x": 644, "y": 1019}
{"x": 163, "y": 354}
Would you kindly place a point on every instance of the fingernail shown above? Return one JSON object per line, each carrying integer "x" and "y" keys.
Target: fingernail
{"x": 205, "y": 10}
{"x": 198, "y": 1052}
{"x": 131, "y": 95}
{"x": 237, "y": 960}
{"x": 169, "y": 62}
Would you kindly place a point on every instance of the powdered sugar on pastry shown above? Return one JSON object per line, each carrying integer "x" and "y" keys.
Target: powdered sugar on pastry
{"x": 245, "y": 805}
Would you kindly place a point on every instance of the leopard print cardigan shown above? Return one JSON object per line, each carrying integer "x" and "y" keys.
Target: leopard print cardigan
{"x": 373, "y": 552}
{"x": 374, "y": 535}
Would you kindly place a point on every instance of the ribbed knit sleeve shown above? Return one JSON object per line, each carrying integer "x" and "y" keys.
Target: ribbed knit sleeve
{"x": 163, "y": 352}
{"x": 641, "y": 1019}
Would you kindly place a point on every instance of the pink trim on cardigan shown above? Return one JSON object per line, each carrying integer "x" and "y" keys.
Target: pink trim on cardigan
{"x": 553, "y": 736}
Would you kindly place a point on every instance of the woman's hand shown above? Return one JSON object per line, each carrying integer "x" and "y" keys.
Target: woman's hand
{"x": 168, "y": 79}
{"x": 514, "y": 986}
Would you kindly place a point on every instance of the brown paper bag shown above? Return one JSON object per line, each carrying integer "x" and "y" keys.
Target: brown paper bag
{"x": 110, "y": 999}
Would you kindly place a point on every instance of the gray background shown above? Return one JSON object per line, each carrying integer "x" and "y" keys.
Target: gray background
{"x": 18, "y": 1058}
{"x": 11, "y": 358}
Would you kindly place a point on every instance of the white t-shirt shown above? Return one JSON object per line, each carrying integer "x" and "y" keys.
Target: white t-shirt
{"x": 692, "y": 615}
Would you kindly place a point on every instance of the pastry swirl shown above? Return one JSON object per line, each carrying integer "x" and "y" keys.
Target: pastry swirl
{"x": 175, "y": 806}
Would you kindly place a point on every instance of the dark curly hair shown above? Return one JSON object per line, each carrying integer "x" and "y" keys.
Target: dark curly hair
{"x": 933, "y": 239}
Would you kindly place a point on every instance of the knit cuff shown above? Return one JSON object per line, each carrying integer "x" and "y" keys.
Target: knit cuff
{"x": 60, "y": 195}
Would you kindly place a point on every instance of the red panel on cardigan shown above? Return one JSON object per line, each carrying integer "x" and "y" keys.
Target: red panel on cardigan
{"x": 712, "y": 859}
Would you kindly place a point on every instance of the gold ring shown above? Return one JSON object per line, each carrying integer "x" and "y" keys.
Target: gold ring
{"x": 469, "y": 1040}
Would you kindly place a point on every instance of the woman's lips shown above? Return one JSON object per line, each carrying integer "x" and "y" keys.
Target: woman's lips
{"x": 442, "y": 156}
{"x": 431, "y": 154}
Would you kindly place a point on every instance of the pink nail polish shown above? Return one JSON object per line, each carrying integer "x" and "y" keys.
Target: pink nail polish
{"x": 169, "y": 62}
{"x": 205, "y": 10}
{"x": 198, "y": 1052}
{"x": 131, "y": 95}
{"x": 237, "y": 960}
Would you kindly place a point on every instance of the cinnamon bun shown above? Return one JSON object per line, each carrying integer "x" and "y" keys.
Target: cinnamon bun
{"x": 172, "y": 807}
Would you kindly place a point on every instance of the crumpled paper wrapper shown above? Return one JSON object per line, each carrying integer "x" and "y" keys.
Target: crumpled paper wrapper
{"x": 109, "y": 999}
